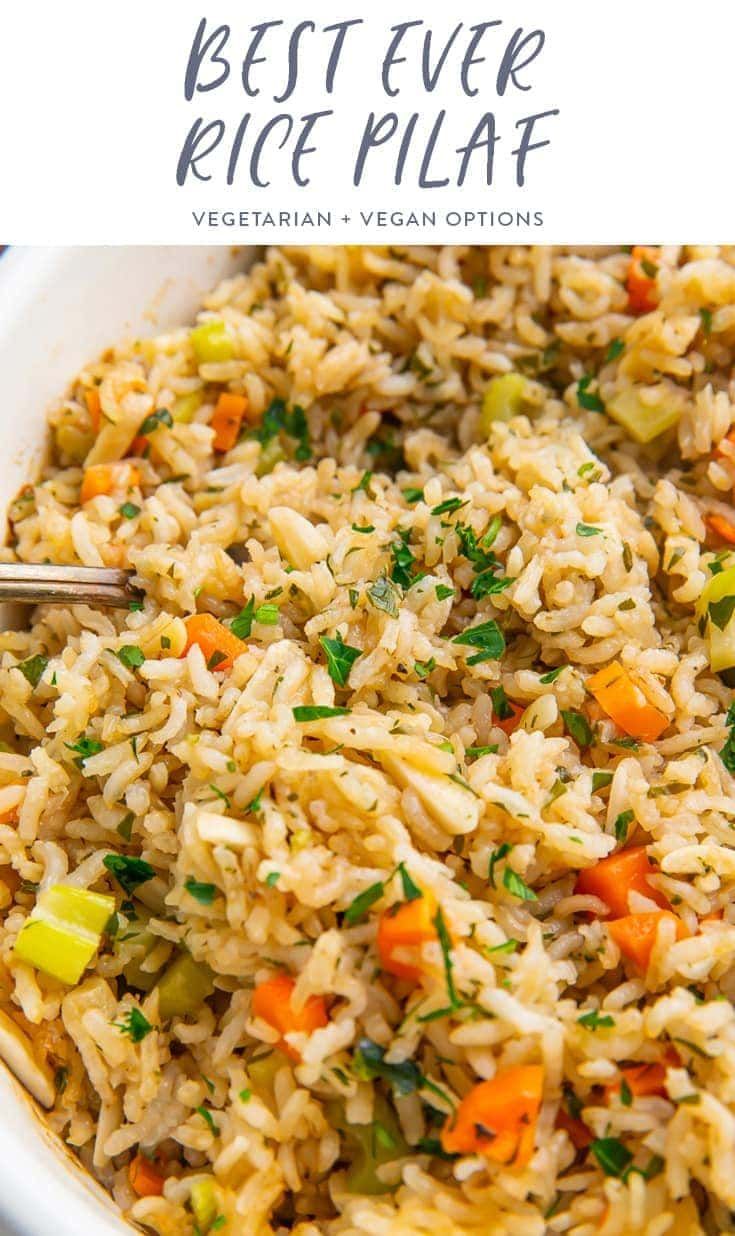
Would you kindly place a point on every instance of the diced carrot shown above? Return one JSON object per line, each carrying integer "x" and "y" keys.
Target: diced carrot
{"x": 721, "y": 528}
{"x": 613, "y": 878}
{"x": 105, "y": 478}
{"x": 579, "y": 1135}
{"x": 94, "y": 407}
{"x": 497, "y": 1118}
{"x": 646, "y": 1079}
{"x": 401, "y": 931}
{"x": 144, "y": 1177}
{"x": 635, "y": 934}
{"x": 226, "y": 420}
{"x": 625, "y": 703}
{"x": 219, "y": 646}
{"x": 508, "y": 724}
{"x": 641, "y": 283}
{"x": 272, "y": 1000}
{"x": 10, "y": 816}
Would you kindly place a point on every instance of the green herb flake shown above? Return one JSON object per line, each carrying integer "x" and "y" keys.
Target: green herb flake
{"x": 552, "y": 675}
{"x": 33, "y": 669}
{"x": 487, "y": 637}
{"x": 382, "y": 594}
{"x": 411, "y": 891}
{"x": 593, "y": 1020}
{"x": 621, "y": 825}
{"x": 626, "y": 1094}
{"x": 209, "y": 1118}
{"x": 340, "y": 658}
{"x": 495, "y": 857}
{"x": 203, "y": 893}
{"x": 600, "y": 779}
{"x": 422, "y": 669}
{"x": 615, "y": 348}
{"x": 135, "y": 1025}
{"x": 445, "y": 943}
{"x": 85, "y": 748}
{"x": 412, "y": 495}
{"x": 364, "y": 484}
{"x": 125, "y": 827}
{"x": 578, "y": 727}
{"x": 358, "y": 908}
{"x": 220, "y": 794}
{"x": 474, "y": 753}
{"x": 613, "y": 1157}
{"x": 154, "y": 421}
{"x": 129, "y": 510}
{"x": 369, "y": 1062}
{"x": 515, "y": 885}
{"x": 449, "y": 506}
{"x": 721, "y": 612}
{"x": 443, "y": 592}
{"x": 317, "y": 712}
{"x": 586, "y": 398}
{"x": 128, "y": 871}
{"x": 267, "y": 615}
{"x": 242, "y": 623}
{"x": 588, "y": 530}
{"x": 131, "y": 656}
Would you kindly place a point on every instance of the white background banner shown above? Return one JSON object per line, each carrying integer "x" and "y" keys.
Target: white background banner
{"x": 616, "y": 120}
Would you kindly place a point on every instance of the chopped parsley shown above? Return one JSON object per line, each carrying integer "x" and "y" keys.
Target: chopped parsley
{"x": 154, "y": 421}
{"x": 727, "y": 754}
{"x": 721, "y": 612}
{"x": 517, "y": 886}
{"x": 129, "y": 510}
{"x": 552, "y": 675}
{"x": 588, "y": 530}
{"x": 593, "y": 1020}
{"x": 706, "y": 319}
{"x": 203, "y": 893}
{"x": 382, "y": 594}
{"x": 207, "y": 1115}
{"x": 487, "y": 637}
{"x": 272, "y": 879}
{"x": 33, "y": 668}
{"x": 495, "y": 858}
{"x": 84, "y": 747}
{"x": 242, "y": 623}
{"x": 125, "y": 827}
{"x": 135, "y": 1024}
{"x": 445, "y": 943}
{"x": 600, "y": 780}
{"x": 586, "y": 398}
{"x": 358, "y": 908}
{"x": 129, "y": 872}
{"x": 317, "y": 712}
{"x": 613, "y": 1157}
{"x": 615, "y": 348}
{"x": 369, "y": 1062}
{"x": 443, "y": 592}
{"x": 412, "y": 494}
{"x": 277, "y": 419}
{"x": 578, "y": 727}
{"x": 364, "y": 484}
{"x": 131, "y": 656}
{"x": 268, "y": 615}
{"x": 340, "y": 658}
{"x": 621, "y": 824}
{"x": 501, "y": 708}
{"x": 422, "y": 669}
{"x": 449, "y": 506}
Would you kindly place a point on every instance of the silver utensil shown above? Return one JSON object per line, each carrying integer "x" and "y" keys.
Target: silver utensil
{"x": 37, "y": 583}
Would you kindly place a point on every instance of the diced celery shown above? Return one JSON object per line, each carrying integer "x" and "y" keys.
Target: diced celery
{"x": 642, "y": 421}
{"x": 503, "y": 399}
{"x": 720, "y": 633}
{"x": 262, "y": 1070}
{"x": 369, "y": 1146}
{"x": 204, "y": 1203}
{"x": 139, "y": 947}
{"x": 77, "y": 907}
{"x": 64, "y": 931}
{"x": 270, "y": 454}
{"x": 211, "y": 342}
{"x": 183, "y": 987}
{"x": 186, "y": 405}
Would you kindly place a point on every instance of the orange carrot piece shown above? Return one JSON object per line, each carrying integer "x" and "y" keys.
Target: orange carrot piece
{"x": 219, "y": 646}
{"x": 646, "y": 1079}
{"x": 508, "y": 724}
{"x": 625, "y": 703}
{"x": 144, "y": 1177}
{"x": 139, "y": 446}
{"x": 641, "y": 284}
{"x": 94, "y": 407}
{"x": 635, "y": 934}
{"x": 613, "y": 878}
{"x": 721, "y": 528}
{"x": 497, "y": 1118}
{"x": 226, "y": 420}
{"x": 272, "y": 1000}
{"x": 401, "y": 931}
{"x": 579, "y": 1135}
{"x": 106, "y": 478}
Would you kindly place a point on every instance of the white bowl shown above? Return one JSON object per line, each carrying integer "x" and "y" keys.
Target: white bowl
{"x": 58, "y": 309}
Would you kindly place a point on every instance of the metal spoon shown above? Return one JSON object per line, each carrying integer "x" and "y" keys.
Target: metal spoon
{"x": 38, "y": 583}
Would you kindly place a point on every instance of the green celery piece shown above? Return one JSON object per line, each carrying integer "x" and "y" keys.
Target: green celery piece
{"x": 211, "y": 343}
{"x": 721, "y": 642}
{"x": 63, "y": 932}
{"x": 183, "y": 987}
{"x": 642, "y": 422}
{"x": 502, "y": 400}
{"x": 204, "y": 1203}
{"x": 365, "y": 1150}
